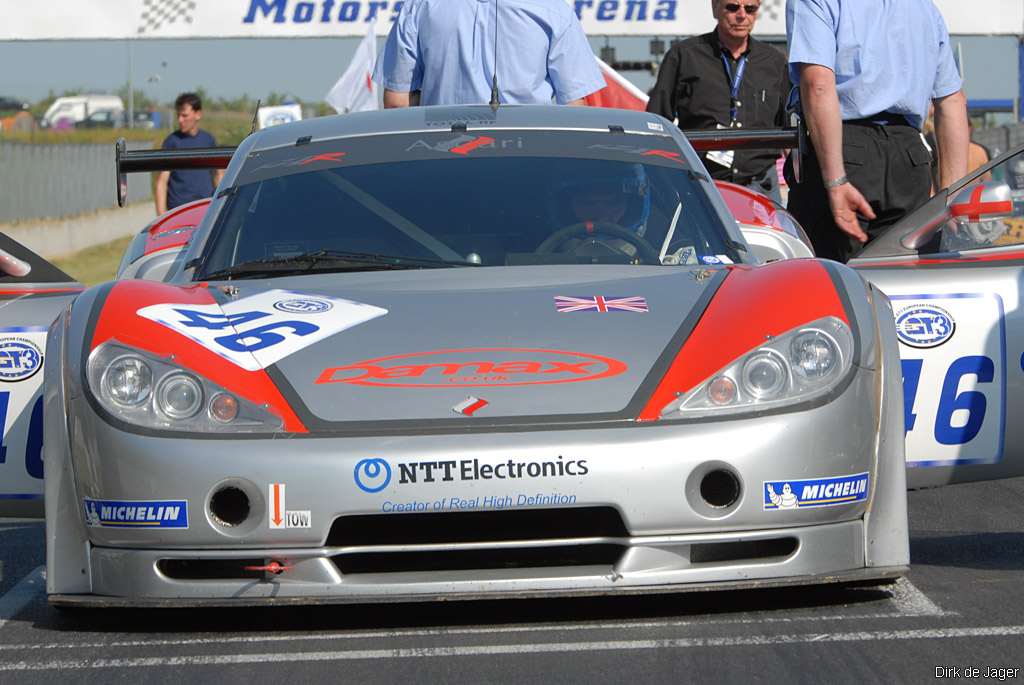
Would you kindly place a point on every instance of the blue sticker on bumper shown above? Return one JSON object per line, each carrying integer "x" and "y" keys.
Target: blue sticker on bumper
{"x": 815, "y": 492}
{"x": 103, "y": 513}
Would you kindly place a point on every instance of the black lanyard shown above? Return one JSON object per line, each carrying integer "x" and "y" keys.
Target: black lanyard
{"x": 734, "y": 82}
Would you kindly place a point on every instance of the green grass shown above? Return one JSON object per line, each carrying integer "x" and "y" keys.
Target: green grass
{"x": 96, "y": 264}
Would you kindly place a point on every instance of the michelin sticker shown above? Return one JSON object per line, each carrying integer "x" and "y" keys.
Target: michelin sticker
{"x": 102, "y": 513}
{"x": 258, "y": 331}
{"x": 815, "y": 492}
{"x": 953, "y": 358}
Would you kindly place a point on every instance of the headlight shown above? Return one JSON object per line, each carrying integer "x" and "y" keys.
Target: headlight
{"x": 179, "y": 396}
{"x": 144, "y": 390}
{"x": 128, "y": 381}
{"x": 797, "y": 366}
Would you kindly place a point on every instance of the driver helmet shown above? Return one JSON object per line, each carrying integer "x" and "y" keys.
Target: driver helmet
{"x": 620, "y": 196}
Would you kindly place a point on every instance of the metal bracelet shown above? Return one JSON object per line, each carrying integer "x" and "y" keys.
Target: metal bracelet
{"x": 836, "y": 182}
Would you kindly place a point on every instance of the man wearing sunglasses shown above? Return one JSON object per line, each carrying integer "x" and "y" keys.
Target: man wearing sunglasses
{"x": 726, "y": 79}
{"x": 867, "y": 71}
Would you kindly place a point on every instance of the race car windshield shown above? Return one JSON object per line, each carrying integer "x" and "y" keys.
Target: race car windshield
{"x": 486, "y": 210}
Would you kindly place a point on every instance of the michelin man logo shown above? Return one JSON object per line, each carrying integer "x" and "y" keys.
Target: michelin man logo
{"x": 787, "y": 500}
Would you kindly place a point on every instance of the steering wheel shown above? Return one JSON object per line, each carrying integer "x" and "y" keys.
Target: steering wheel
{"x": 584, "y": 228}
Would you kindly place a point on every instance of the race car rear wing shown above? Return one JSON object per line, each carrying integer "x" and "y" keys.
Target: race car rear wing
{"x": 218, "y": 157}
{"x": 164, "y": 160}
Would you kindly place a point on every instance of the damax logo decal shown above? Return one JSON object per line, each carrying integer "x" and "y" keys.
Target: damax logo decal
{"x": 480, "y": 367}
{"x": 924, "y": 325}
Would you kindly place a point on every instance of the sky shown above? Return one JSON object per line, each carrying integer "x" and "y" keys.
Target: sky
{"x": 307, "y": 68}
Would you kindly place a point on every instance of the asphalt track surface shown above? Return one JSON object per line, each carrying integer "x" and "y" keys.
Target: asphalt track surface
{"x": 960, "y": 608}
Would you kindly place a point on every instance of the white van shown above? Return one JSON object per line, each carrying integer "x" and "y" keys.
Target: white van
{"x": 75, "y": 108}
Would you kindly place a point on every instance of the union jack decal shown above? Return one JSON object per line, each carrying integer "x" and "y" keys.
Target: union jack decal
{"x": 597, "y": 303}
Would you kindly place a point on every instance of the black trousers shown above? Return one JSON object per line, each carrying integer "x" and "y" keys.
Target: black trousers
{"x": 889, "y": 165}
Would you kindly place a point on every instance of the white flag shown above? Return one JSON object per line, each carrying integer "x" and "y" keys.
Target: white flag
{"x": 355, "y": 91}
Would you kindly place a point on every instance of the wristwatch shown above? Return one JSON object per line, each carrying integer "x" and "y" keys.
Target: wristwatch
{"x": 836, "y": 182}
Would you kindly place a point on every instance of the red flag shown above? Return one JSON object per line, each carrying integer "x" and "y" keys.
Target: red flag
{"x": 618, "y": 93}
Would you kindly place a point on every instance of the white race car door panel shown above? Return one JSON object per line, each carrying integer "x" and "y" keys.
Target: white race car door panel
{"x": 957, "y": 306}
{"x": 29, "y": 302}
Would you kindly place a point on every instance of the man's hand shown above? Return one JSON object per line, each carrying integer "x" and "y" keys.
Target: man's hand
{"x": 845, "y": 201}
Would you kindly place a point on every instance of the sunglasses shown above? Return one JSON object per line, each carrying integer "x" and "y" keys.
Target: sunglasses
{"x": 735, "y": 7}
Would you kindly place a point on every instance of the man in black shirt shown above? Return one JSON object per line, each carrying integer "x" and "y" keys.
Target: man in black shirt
{"x": 726, "y": 79}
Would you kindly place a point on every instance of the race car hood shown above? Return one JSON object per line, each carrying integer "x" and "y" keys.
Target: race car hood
{"x": 488, "y": 345}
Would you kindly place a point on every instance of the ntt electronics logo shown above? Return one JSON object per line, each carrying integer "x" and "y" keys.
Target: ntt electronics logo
{"x": 303, "y": 305}
{"x": 923, "y": 326}
{"x": 372, "y": 475}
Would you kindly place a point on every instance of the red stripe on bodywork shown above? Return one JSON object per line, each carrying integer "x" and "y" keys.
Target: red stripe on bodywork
{"x": 120, "y": 321}
{"x": 38, "y": 291}
{"x": 752, "y": 305}
{"x": 748, "y": 206}
{"x": 176, "y": 227}
{"x": 960, "y": 258}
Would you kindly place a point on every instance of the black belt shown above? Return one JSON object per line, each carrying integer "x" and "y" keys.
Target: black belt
{"x": 881, "y": 119}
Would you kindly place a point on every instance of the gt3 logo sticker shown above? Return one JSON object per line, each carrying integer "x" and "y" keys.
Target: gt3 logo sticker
{"x": 924, "y": 325}
{"x": 815, "y": 492}
{"x": 255, "y": 332}
{"x": 20, "y": 358}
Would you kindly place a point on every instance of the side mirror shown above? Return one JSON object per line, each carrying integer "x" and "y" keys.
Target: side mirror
{"x": 983, "y": 202}
{"x": 973, "y": 204}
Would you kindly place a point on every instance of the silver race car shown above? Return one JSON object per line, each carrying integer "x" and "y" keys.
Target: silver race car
{"x": 451, "y": 353}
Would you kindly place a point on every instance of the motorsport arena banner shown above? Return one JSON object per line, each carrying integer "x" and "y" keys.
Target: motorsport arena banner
{"x": 145, "y": 19}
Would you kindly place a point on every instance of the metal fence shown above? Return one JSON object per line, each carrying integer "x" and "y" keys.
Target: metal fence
{"x": 1000, "y": 138}
{"x": 39, "y": 182}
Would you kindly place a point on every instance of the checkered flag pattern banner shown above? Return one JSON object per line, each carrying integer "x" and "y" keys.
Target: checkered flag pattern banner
{"x": 776, "y": 9}
{"x": 156, "y": 13}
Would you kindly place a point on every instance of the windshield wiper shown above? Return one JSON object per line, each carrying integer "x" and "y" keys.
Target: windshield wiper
{"x": 329, "y": 260}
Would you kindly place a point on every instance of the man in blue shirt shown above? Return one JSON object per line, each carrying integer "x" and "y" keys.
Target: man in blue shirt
{"x": 867, "y": 71}
{"x": 446, "y": 52}
{"x": 174, "y": 188}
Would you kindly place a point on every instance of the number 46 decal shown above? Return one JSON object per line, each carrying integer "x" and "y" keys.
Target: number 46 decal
{"x": 33, "y": 440}
{"x": 968, "y": 404}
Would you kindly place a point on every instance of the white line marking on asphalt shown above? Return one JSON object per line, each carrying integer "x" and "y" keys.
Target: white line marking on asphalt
{"x": 912, "y": 602}
{"x": 534, "y": 648}
{"x": 27, "y": 589}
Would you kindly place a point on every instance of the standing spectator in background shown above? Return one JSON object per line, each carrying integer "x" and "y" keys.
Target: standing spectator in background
{"x": 867, "y": 70}
{"x": 174, "y": 188}
{"x": 726, "y": 79}
{"x": 442, "y": 52}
